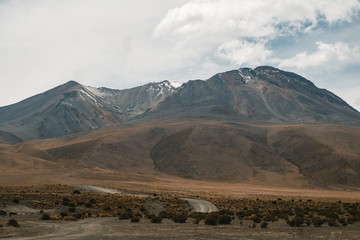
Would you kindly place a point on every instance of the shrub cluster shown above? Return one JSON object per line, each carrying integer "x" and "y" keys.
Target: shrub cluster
{"x": 297, "y": 221}
{"x": 125, "y": 215}
{"x": 297, "y": 213}
{"x": 13, "y": 222}
{"x": 156, "y": 219}
{"x": 135, "y": 219}
{"x": 217, "y": 218}
{"x": 45, "y": 217}
{"x": 179, "y": 218}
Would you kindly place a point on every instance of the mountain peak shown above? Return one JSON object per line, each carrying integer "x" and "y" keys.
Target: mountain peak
{"x": 71, "y": 83}
{"x": 264, "y": 94}
{"x": 165, "y": 83}
{"x": 266, "y": 68}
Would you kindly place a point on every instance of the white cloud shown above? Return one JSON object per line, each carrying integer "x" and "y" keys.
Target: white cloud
{"x": 240, "y": 32}
{"x": 357, "y": 103}
{"x": 252, "y": 18}
{"x": 126, "y": 43}
{"x": 99, "y": 43}
{"x": 338, "y": 10}
{"x": 325, "y": 53}
{"x": 350, "y": 95}
{"x": 244, "y": 52}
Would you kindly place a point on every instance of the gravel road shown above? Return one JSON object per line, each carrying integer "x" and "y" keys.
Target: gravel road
{"x": 201, "y": 205}
{"x": 197, "y": 205}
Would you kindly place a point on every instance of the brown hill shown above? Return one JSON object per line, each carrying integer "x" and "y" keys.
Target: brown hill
{"x": 292, "y": 155}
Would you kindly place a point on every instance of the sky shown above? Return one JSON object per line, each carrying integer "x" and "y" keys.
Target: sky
{"x": 123, "y": 44}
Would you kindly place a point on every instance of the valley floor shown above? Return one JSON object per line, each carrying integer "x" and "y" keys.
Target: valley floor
{"x": 95, "y": 214}
{"x": 162, "y": 183}
{"x": 113, "y": 228}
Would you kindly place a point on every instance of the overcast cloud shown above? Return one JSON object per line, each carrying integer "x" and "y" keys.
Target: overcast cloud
{"x": 122, "y": 44}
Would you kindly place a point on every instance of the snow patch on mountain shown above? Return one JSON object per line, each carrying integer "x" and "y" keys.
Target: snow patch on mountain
{"x": 246, "y": 77}
{"x": 97, "y": 91}
{"x": 175, "y": 84}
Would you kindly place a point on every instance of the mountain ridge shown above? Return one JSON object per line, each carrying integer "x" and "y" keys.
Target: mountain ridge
{"x": 259, "y": 126}
{"x": 261, "y": 95}
{"x": 72, "y": 107}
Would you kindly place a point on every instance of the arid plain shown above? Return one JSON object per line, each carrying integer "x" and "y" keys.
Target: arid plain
{"x": 32, "y": 186}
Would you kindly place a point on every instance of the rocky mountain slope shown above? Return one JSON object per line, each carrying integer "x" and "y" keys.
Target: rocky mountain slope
{"x": 72, "y": 108}
{"x": 262, "y": 95}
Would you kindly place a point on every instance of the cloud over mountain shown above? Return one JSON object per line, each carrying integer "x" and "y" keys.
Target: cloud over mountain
{"x": 230, "y": 25}
{"x": 325, "y": 52}
{"x": 119, "y": 44}
{"x": 253, "y": 18}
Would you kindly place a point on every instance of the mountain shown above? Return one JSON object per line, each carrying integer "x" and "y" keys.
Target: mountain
{"x": 262, "y": 95}
{"x": 259, "y": 126}
{"x": 72, "y": 108}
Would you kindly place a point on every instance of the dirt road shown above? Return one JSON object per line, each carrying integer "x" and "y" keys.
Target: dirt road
{"x": 201, "y": 205}
{"x": 197, "y": 204}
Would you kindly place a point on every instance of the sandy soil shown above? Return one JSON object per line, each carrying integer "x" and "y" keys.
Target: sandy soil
{"x": 182, "y": 186}
{"x": 31, "y": 227}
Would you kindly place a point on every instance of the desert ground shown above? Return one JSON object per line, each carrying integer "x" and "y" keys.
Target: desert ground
{"x": 113, "y": 228}
{"x": 105, "y": 209}
{"x": 69, "y": 199}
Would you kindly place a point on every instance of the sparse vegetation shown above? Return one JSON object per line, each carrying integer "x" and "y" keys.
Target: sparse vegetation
{"x": 331, "y": 222}
{"x": 69, "y": 218}
{"x": 179, "y": 218}
{"x": 225, "y": 219}
{"x": 124, "y": 215}
{"x": 211, "y": 219}
{"x": 63, "y": 214}
{"x": 76, "y": 191}
{"x": 13, "y": 222}
{"x": 135, "y": 219}
{"x": 264, "y": 224}
{"x": 88, "y": 205}
{"x": 156, "y": 219}
{"x": 317, "y": 221}
{"x": 45, "y": 217}
{"x": 252, "y": 212}
{"x": 297, "y": 221}
{"x": 69, "y": 204}
{"x": 12, "y": 213}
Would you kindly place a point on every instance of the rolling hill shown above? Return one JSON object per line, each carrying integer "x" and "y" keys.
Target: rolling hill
{"x": 279, "y": 155}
